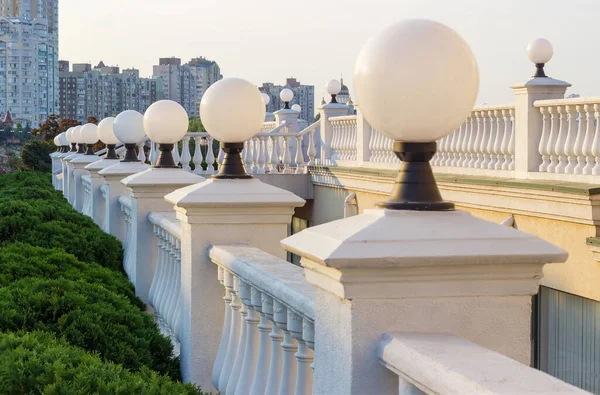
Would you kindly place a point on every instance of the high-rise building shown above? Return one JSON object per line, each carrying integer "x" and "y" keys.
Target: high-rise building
{"x": 29, "y": 59}
{"x": 186, "y": 83}
{"x": 304, "y": 95}
{"x": 102, "y": 91}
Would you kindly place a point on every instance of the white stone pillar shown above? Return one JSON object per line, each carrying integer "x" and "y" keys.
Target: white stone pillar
{"x": 147, "y": 190}
{"x": 98, "y": 204}
{"x": 66, "y": 170}
{"x": 214, "y": 212}
{"x": 79, "y": 165}
{"x": 528, "y": 120}
{"x": 290, "y": 117}
{"x": 326, "y": 130}
{"x": 409, "y": 271}
{"x": 112, "y": 176}
{"x": 363, "y": 138}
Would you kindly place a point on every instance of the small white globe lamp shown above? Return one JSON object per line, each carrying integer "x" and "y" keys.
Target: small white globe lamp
{"x": 297, "y": 107}
{"x": 106, "y": 134}
{"x": 129, "y": 129}
{"x": 232, "y": 111}
{"x": 286, "y": 95}
{"x": 69, "y": 134}
{"x": 76, "y": 136}
{"x": 540, "y": 52}
{"x": 57, "y": 143}
{"x": 166, "y": 122}
{"x": 266, "y": 98}
{"x": 333, "y": 87}
{"x": 89, "y": 135}
{"x": 433, "y": 68}
{"x": 63, "y": 142}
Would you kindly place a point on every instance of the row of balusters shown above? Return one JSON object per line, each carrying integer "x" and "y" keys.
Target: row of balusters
{"x": 344, "y": 138}
{"x": 164, "y": 294}
{"x": 87, "y": 208}
{"x": 129, "y": 239}
{"x": 265, "y": 347}
{"x": 381, "y": 148}
{"x": 570, "y": 139}
{"x": 486, "y": 140}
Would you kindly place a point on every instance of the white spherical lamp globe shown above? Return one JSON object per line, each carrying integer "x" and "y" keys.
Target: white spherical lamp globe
{"x": 333, "y": 87}
{"x": 56, "y": 141}
{"x": 232, "y": 110}
{"x": 75, "y": 136}
{"x": 266, "y": 98}
{"x": 166, "y": 122}
{"x": 129, "y": 127}
{"x": 416, "y": 81}
{"x": 89, "y": 133}
{"x": 106, "y": 133}
{"x": 286, "y": 95}
{"x": 63, "y": 138}
{"x": 69, "y": 134}
{"x": 540, "y": 51}
{"x": 296, "y": 107}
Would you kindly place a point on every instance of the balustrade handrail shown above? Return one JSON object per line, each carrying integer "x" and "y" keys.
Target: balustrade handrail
{"x": 276, "y": 277}
{"x": 343, "y": 118}
{"x": 166, "y": 221}
{"x": 446, "y": 364}
{"x": 309, "y": 128}
{"x": 125, "y": 201}
{"x": 567, "y": 101}
{"x": 494, "y": 107}
{"x": 274, "y": 131}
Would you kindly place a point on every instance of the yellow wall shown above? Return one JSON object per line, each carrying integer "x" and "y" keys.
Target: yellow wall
{"x": 580, "y": 275}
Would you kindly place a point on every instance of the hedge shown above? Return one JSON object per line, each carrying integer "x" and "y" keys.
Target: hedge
{"x": 36, "y": 363}
{"x": 18, "y": 261}
{"x": 36, "y": 155}
{"x": 88, "y": 316}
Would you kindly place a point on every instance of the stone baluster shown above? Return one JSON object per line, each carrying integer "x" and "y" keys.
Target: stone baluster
{"x": 461, "y": 149}
{"x": 197, "y": 158}
{"x": 249, "y": 155}
{"x": 186, "y": 156}
{"x": 476, "y": 139}
{"x": 244, "y": 293}
{"x": 451, "y": 148}
{"x": 234, "y": 336}
{"x": 178, "y": 310}
{"x": 596, "y": 142}
{"x": 168, "y": 277}
{"x": 259, "y": 382}
{"x": 279, "y": 320}
{"x": 226, "y": 279}
{"x": 159, "y": 264}
{"x": 248, "y": 369}
{"x": 312, "y": 150}
{"x": 255, "y": 143}
{"x": 377, "y": 146}
{"x": 141, "y": 153}
{"x": 488, "y": 136}
{"x": 153, "y": 153}
{"x": 559, "y": 146}
{"x": 210, "y": 156}
{"x": 441, "y": 152}
{"x": 305, "y": 358}
{"x": 554, "y": 127}
{"x": 570, "y": 139}
{"x": 176, "y": 155}
{"x": 262, "y": 155}
{"x": 589, "y": 140}
{"x": 274, "y": 159}
{"x": 504, "y": 159}
{"x": 467, "y": 142}
{"x": 496, "y": 162}
{"x": 289, "y": 346}
{"x": 160, "y": 272}
{"x": 579, "y": 139}
{"x": 220, "y": 157}
{"x": 511, "y": 142}
{"x": 346, "y": 152}
{"x": 543, "y": 147}
{"x": 299, "y": 156}
{"x": 287, "y": 159}
{"x": 174, "y": 286}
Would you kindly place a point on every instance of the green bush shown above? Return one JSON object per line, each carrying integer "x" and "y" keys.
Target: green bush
{"x": 88, "y": 316}
{"x": 36, "y": 155}
{"x": 36, "y": 363}
{"x": 18, "y": 261}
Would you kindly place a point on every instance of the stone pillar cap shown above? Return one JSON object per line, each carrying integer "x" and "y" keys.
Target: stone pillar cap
{"x": 541, "y": 82}
{"x": 85, "y": 159}
{"x": 162, "y": 176}
{"x": 101, "y": 164}
{"x": 69, "y": 158}
{"x": 124, "y": 169}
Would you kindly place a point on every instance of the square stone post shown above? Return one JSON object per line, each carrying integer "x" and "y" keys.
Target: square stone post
{"x": 147, "y": 190}
{"x": 79, "y": 170}
{"x": 67, "y": 175}
{"x": 220, "y": 211}
{"x": 98, "y": 205}
{"x": 528, "y": 120}
{"x": 408, "y": 271}
{"x": 112, "y": 177}
{"x": 326, "y": 133}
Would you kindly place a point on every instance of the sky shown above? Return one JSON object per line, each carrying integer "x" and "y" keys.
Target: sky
{"x": 317, "y": 40}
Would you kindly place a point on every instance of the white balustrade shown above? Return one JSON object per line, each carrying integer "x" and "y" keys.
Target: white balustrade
{"x": 344, "y": 139}
{"x": 105, "y": 191}
{"x": 88, "y": 195}
{"x": 268, "y": 126}
{"x": 379, "y": 147}
{"x": 268, "y": 334}
{"x": 129, "y": 245}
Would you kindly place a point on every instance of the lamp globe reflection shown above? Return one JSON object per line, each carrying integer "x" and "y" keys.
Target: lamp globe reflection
{"x": 266, "y": 98}
{"x": 106, "y": 134}
{"x": 129, "y": 129}
{"x": 232, "y": 111}
{"x": 540, "y": 52}
{"x": 89, "y": 135}
{"x": 286, "y": 95}
{"x": 166, "y": 122}
{"x": 433, "y": 68}
{"x": 333, "y": 87}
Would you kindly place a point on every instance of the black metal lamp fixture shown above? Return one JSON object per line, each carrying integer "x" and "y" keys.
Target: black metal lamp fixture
{"x": 233, "y": 165}
{"x": 286, "y": 96}
{"x": 333, "y": 87}
{"x": 111, "y": 153}
{"x": 165, "y": 157}
{"x": 130, "y": 154}
{"x": 540, "y": 52}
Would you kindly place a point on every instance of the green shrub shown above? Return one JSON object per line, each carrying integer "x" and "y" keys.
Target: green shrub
{"x": 36, "y": 363}
{"x": 88, "y": 316}
{"x": 18, "y": 261}
{"x": 36, "y": 155}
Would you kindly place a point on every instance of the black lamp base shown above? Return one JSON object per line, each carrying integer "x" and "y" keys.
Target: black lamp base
{"x": 333, "y": 99}
{"x": 539, "y": 72}
{"x": 90, "y": 149}
{"x": 286, "y": 105}
{"x": 110, "y": 152}
{"x": 165, "y": 158}
{"x": 73, "y": 147}
{"x": 415, "y": 188}
{"x": 64, "y": 149}
{"x": 130, "y": 155}
{"x": 80, "y": 149}
{"x": 233, "y": 165}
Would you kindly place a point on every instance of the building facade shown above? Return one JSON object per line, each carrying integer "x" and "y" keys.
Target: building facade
{"x": 29, "y": 59}
{"x": 304, "y": 95}
{"x": 102, "y": 91}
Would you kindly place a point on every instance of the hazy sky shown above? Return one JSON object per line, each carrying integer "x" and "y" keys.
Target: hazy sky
{"x": 316, "y": 40}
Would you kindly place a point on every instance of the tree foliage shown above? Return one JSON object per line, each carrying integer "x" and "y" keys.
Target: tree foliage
{"x": 36, "y": 155}
{"x": 53, "y": 126}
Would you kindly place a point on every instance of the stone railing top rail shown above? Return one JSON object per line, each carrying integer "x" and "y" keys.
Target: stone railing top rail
{"x": 279, "y": 279}
{"x": 343, "y": 118}
{"x": 126, "y": 201}
{"x": 167, "y": 221}
{"x": 494, "y": 107}
{"x": 565, "y": 102}
{"x": 445, "y": 364}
